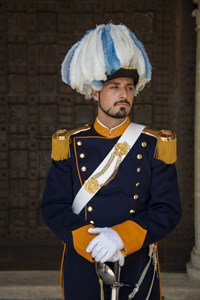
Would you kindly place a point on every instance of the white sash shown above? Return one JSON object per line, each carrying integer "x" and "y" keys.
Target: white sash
{"x": 129, "y": 136}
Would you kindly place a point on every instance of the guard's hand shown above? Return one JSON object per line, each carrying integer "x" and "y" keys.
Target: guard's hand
{"x": 105, "y": 245}
{"x": 118, "y": 256}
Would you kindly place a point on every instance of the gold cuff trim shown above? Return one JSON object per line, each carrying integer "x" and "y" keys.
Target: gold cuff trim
{"x": 81, "y": 239}
{"x": 132, "y": 235}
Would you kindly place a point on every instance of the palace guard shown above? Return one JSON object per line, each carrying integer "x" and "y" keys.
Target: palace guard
{"x": 112, "y": 189}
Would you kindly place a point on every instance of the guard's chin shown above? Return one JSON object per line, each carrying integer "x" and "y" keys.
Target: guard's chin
{"x": 121, "y": 114}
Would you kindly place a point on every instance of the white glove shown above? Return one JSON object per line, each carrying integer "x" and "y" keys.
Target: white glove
{"x": 105, "y": 245}
{"x": 118, "y": 256}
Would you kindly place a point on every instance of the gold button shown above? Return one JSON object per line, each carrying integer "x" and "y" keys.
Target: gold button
{"x": 144, "y": 144}
{"x": 135, "y": 197}
{"x": 138, "y": 170}
{"x": 82, "y": 155}
{"x": 79, "y": 143}
{"x": 137, "y": 184}
{"x": 139, "y": 156}
{"x": 83, "y": 169}
{"x": 90, "y": 208}
{"x": 132, "y": 211}
{"x": 92, "y": 222}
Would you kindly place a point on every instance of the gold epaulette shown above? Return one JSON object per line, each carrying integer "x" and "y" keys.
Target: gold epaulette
{"x": 166, "y": 144}
{"x": 61, "y": 141}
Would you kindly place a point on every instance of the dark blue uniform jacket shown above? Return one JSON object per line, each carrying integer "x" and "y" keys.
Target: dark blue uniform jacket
{"x": 141, "y": 203}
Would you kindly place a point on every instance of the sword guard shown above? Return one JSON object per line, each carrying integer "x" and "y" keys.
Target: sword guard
{"x": 119, "y": 284}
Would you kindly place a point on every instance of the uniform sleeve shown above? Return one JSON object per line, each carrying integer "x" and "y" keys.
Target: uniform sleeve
{"x": 162, "y": 214}
{"x": 57, "y": 212}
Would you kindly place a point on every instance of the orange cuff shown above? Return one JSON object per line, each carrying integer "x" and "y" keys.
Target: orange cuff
{"x": 132, "y": 235}
{"x": 81, "y": 239}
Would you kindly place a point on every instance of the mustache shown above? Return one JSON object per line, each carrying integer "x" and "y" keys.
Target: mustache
{"x": 121, "y": 101}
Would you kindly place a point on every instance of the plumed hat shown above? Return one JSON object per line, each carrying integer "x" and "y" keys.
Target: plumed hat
{"x": 106, "y": 52}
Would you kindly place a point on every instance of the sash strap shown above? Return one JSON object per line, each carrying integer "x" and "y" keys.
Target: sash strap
{"x": 108, "y": 167}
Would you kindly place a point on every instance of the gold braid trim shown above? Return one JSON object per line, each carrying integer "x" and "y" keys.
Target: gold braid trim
{"x": 61, "y": 142}
{"x": 62, "y": 270}
{"x": 166, "y": 144}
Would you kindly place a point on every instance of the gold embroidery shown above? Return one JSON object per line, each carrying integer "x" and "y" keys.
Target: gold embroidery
{"x": 92, "y": 185}
{"x": 121, "y": 149}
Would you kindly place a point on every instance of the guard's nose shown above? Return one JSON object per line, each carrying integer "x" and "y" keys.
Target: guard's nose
{"x": 123, "y": 93}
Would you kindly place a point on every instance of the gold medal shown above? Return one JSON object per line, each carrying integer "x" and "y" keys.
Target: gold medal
{"x": 91, "y": 185}
{"x": 121, "y": 149}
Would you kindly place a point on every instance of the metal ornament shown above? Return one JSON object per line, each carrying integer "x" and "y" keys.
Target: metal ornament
{"x": 92, "y": 185}
{"x": 121, "y": 149}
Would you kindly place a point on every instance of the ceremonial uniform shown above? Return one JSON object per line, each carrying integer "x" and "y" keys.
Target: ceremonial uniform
{"x": 141, "y": 203}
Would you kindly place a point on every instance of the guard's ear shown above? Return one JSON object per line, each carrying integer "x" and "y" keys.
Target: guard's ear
{"x": 95, "y": 95}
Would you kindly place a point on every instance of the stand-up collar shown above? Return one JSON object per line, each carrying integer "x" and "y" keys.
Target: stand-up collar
{"x": 113, "y": 132}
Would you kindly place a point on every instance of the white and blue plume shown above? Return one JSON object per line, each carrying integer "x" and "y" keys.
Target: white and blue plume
{"x": 101, "y": 52}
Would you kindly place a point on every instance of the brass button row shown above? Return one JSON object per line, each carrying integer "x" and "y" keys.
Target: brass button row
{"x": 90, "y": 209}
{"x": 139, "y": 156}
{"x": 132, "y": 211}
{"x": 82, "y": 155}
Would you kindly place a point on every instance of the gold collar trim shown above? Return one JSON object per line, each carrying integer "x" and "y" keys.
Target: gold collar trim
{"x": 113, "y": 132}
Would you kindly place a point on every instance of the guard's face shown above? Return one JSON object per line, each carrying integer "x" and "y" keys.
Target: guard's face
{"x": 116, "y": 98}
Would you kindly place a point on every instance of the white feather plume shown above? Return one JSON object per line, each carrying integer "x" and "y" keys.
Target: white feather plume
{"x": 85, "y": 64}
